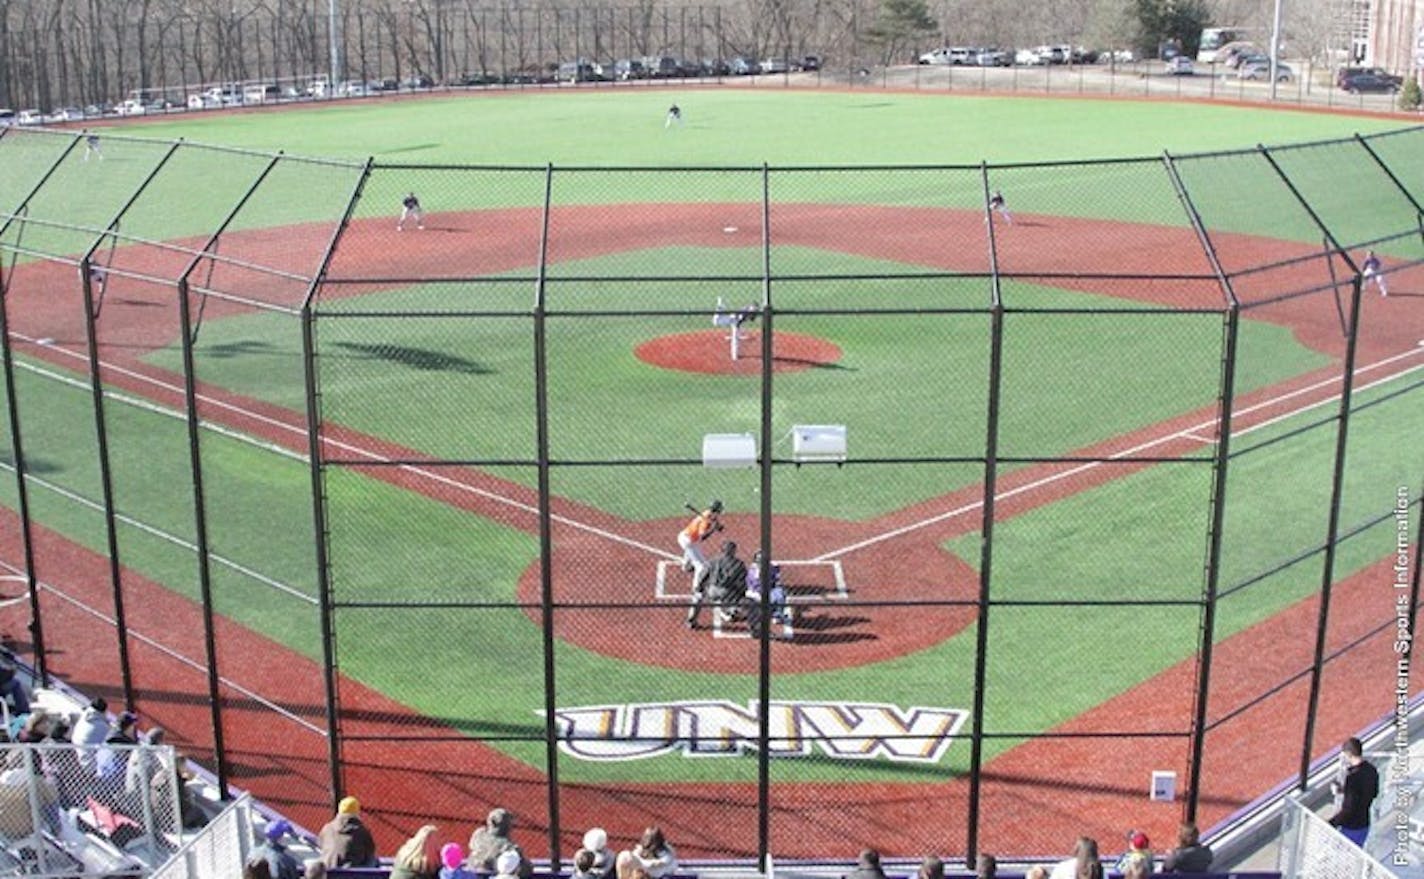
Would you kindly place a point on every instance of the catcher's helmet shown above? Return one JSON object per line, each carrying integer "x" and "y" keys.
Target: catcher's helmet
{"x": 715, "y": 506}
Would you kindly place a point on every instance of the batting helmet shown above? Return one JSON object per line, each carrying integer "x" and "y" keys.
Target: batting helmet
{"x": 715, "y": 506}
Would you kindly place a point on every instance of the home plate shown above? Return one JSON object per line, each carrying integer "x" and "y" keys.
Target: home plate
{"x": 729, "y": 229}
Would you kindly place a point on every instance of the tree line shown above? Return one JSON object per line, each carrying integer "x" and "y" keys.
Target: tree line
{"x": 75, "y": 52}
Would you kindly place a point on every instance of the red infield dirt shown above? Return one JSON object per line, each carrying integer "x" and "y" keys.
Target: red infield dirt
{"x": 707, "y": 352}
{"x": 1038, "y": 796}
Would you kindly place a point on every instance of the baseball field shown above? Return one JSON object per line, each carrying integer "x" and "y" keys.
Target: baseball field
{"x": 506, "y": 409}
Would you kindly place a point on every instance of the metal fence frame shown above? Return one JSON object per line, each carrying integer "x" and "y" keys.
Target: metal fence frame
{"x": 309, "y": 316}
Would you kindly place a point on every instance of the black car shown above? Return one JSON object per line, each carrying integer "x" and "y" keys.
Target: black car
{"x": 1361, "y": 83}
{"x": 1345, "y": 73}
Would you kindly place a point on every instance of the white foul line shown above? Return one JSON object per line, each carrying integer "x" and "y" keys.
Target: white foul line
{"x": 366, "y": 453}
{"x": 1127, "y": 453}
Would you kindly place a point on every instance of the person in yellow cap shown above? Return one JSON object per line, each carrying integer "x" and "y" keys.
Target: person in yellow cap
{"x": 346, "y": 841}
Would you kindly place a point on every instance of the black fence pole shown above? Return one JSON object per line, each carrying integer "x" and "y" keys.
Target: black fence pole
{"x": 1327, "y": 576}
{"x": 26, "y": 524}
{"x": 764, "y": 652}
{"x": 22, "y": 490}
{"x": 106, "y": 480}
{"x": 1216, "y": 534}
{"x": 195, "y": 464}
{"x": 323, "y": 570}
{"x": 986, "y": 533}
{"x": 546, "y": 537}
{"x": 200, "y": 533}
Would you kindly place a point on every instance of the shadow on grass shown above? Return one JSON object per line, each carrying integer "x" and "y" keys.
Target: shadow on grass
{"x": 417, "y": 358}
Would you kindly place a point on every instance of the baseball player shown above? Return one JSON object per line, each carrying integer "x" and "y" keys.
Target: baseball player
{"x": 734, "y": 320}
{"x": 1373, "y": 270}
{"x": 778, "y": 611}
{"x": 91, "y": 146}
{"x": 703, "y": 525}
{"x": 674, "y": 116}
{"x": 725, "y": 586}
{"x": 410, "y": 210}
{"x": 996, "y": 205}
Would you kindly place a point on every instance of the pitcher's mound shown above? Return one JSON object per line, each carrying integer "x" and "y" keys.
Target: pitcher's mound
{"x": 710, "y": 351}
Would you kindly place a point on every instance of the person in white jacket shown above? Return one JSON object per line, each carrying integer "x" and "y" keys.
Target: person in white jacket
{"x": 91, "y": 730}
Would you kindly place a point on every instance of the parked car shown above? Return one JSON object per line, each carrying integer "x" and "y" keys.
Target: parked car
{"x": 418, "y": 81}
{"x": 1347, "y": 73}
{"x": 29, "y": 117}
{"x": 741, "y": 66}
{"x": 7, "y": 116}
{"x": 576, "y": 71}
{"x": 261, "y": 94}
{"x": 992, "y": 58}
{"x": 629, "y": 68}
{"x": 203, "y": 102}
{"x": 1360, "y": 83}
{"x": 1180, "y": 66}
{"x": 1029, "y": 57}
{"x": 1259, "y": 67}
{"x": 811, "y": 62}
{"x": 662, "y": 66}
{"x": 775, "y": 65}
{"x": 935, "y": 56}
{"x": 67, "y": 114}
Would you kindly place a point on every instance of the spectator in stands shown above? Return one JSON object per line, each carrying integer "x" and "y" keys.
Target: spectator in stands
{"x": 1083, "y": 865}
{"x": 1037, "y": 871}
{"x": 595, "y": 842}
{"x": 315, "y": 869}
{"x": 418, "y": 857}
{"x": 1137, "y": 868}
{"x": 867, "y": 866}
{"x": 985, "y": 867}
{"x": 931, "y": 868}
{"x": 1139, "y": 849}
{"x": 146, "y": 767}
{"x": 35, "y": 729}
{"x": 345, "y": 840}
{"x": 507, "y": 865}
{"x": 273, "y": 850}
{"x": 489, "y": 842}
{"x": 1360, "y": 789}
{"x": 584, "y": 861}
{"x": 91, "y": 729}
{"x": 654, "y": 854}
{"x": 110, "y": 763}
{"x": 62, "y": 766}
{"x": 189, "y": 811}
{"x": 16, "y": 814}
{"x": 453, "y": 859}
{"x": 626, "y": 865}
{"x": 1190, "y": 856}
{"x": 12, "y": 690}
{"x": 256, "y": 870}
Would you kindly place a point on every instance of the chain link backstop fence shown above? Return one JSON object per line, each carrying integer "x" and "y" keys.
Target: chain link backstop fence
{"x": 1107, "y": 482}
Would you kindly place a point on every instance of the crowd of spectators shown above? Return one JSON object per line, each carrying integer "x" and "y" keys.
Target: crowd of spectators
{"x": 345, "y": 841}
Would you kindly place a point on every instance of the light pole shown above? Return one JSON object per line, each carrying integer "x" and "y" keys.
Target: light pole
{"x": 1275, "y": 46}
{"x": 331, "y": 29}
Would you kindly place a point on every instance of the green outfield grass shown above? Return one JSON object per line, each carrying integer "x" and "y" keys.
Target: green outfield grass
{"x": 741, "y": 127}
